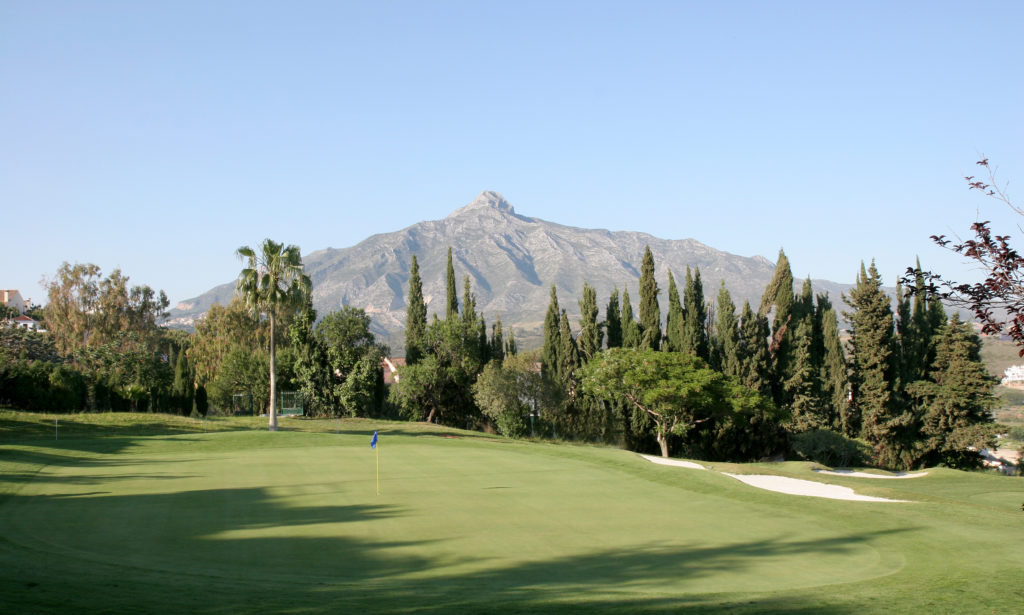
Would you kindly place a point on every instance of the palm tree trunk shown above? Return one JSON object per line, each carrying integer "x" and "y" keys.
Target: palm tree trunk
{"x": 273, "y": 377}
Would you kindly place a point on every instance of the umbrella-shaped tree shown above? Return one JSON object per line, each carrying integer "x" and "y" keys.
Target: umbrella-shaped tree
{"x": 272, "y": 283}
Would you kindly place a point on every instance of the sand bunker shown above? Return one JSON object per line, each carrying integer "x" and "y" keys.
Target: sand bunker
{"x": 796, "y": 486}
{"x": 673, "y": 462}
{"x": 870, "y": 475}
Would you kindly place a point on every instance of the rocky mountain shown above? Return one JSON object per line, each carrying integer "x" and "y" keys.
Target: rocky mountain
{"x": 512, "y": 261}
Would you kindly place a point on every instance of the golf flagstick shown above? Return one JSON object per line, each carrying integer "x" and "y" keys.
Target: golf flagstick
{"x": 376, "y": 451}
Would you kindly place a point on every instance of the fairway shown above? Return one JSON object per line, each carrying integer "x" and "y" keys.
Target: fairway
{"x": 246, "y": 520}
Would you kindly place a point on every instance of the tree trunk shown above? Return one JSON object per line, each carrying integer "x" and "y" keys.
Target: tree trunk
{"x": 663, "y": 443}
{"x": 273, "y": 378}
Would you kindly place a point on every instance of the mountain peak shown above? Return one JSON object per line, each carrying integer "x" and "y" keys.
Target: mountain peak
{"x": 486, "y": 200}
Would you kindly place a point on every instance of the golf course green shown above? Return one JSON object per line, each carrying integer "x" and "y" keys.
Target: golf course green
{"x": 141, "y": 513}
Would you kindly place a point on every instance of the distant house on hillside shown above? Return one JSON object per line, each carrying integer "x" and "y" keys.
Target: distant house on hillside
{"x": 12, "y": 298}
{"x": 1013, "y": 376}
{"x": 25, "y": 322}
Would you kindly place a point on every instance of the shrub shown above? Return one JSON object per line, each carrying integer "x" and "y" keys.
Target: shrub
{"x": 830, "y": 448}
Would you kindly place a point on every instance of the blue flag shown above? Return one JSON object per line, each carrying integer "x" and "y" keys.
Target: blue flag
{"x": 373, "y": 442}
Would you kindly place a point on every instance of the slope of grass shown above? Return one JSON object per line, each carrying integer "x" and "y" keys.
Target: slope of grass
{"x": 138, "y": 513}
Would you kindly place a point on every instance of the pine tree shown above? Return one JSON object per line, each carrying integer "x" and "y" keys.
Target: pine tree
{"x": 695, "y": 337}
{"x": 613, "y": 321}
{"x": 725, "y": 345}
{"x": 590, "y": 331}
{"x": 451, "y": 297}
{"x": 415, "y": 317}
{"x": 957, "y": 421}
{"x": 552, "y": 339}
{"x": 630, "y": 327}
{"x": 884, "y": 424}
{"x": 675, "y": 319}
{"x": 650, "y": 313}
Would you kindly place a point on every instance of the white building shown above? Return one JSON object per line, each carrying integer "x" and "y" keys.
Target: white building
{"x": 1014, "y": 375}
{"x": 12, "y": 298}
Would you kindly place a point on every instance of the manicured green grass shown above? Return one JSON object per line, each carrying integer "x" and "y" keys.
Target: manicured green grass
{"x": 139, "y": 513}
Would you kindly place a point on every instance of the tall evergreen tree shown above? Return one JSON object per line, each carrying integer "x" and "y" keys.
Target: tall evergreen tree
{"x": 568, "y": 356}
{"x": 613, "y": 321}
{"x": 834, "y": 378}
{"x": 883, "y": 423}
{"x": 650, "y": 312}
{"x": 802, "y": 384}
{"x": 675, "y": 318}
{"x": 752, "y": 351}
{"x": 927, "y": 318}
{"x": 451, "y": 295}
{"x": 778, "y": 297}
{"x": 957, "y": 421}
{"x": 630, "y": 327}
{"x": 552, "y": 339}
{"x": 182, "y": 388}
{"x": 725, "y": 345}
{"x": 695, "y": 337}
{"x": 511, "y": 349}
{"x": 590, "y": 330}
{"x": 469, "y": 315}
{"x": 415, "y": 316}
{"x": 497, "y": 343}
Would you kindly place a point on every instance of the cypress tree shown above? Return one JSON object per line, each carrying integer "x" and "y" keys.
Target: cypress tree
{"x": 483, "y": 344}
{"x": 613, "y": 321}
{"x": 511, "y": 349}
{"x": 834, "y": 378}
{"x": 451, "y": 297}
{"x": 568, "y": 355}
{"x": 630, "y": 328}
{"x": 778, "y": 296}
{"x": 590, "y": 331}
{"x": 725, "y": 345}
{"x": 752, "y": 351}
{"x": 552, "y": 339}
{"x": 469, "y": 315}
{"x": 182, "y": 388}
{"x": 883, "y": 423}
{"x": 779, "y": 293}
{"x": 802, "y": 385}
{"x": 650, "y": 312}
{"x": 927, "y": 318}
{"x": 415, "y": 317}
{"x": 497, "y": 343}
{"x": 695, "y": 336}
{"x": 675, "y": 319}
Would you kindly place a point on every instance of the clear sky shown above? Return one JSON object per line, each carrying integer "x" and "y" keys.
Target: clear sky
{"x": 160, "y": 136}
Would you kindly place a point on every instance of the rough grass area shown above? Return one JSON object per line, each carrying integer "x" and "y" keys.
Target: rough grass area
{"x": 142, "y": 513}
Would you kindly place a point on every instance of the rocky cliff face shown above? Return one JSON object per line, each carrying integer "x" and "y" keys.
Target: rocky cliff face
{"x": 512, "y": 261}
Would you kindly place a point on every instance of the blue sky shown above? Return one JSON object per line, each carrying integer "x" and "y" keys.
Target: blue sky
{"x": 159, "y": 136}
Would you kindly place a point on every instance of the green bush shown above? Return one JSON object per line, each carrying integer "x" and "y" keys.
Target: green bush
{"x": 830, "y": 448}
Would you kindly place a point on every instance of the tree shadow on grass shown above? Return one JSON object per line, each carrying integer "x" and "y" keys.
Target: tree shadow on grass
{"x": 247, "y": 550}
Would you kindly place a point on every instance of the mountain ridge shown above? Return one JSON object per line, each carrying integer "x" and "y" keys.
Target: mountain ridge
{"x": 512, "y": 261}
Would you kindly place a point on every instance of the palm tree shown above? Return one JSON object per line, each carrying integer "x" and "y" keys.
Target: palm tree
{"x": 273, "y": 282}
